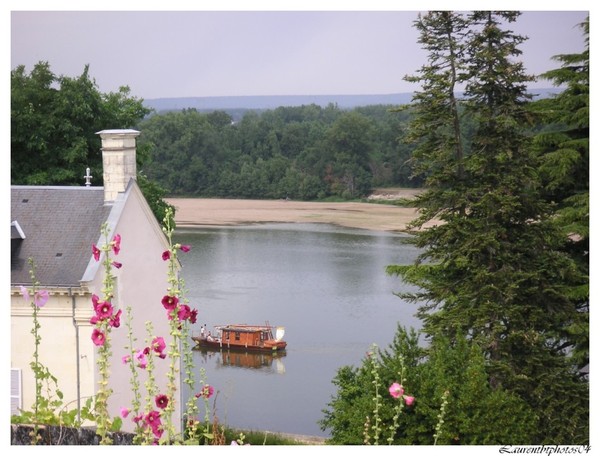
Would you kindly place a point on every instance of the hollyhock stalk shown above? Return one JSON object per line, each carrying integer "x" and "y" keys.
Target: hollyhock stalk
{"x": 101, "y": 337}
{"x": 174, "y": 292}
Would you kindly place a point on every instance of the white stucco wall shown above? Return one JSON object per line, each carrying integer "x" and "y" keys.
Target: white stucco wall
{"x": 141, "y": 284}
{"x": 58, "y": 347}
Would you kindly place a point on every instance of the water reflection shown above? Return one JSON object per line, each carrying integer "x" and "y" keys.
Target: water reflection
{"x": 223, "y": 358}
{"x": 327, "y": 285}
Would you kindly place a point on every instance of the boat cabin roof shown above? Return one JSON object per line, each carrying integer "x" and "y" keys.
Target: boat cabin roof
{"x": 244, "y": 328}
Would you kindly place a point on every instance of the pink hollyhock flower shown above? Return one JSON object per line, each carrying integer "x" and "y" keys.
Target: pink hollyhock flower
{"x": 185, "y": 248}
{"x": 117, "y": 265}
{"x": 96, "y": 252}
{"x": 161, "y": 401}
{"x": 98, "y": 337}
{"x": 124, "y": 412}
{"x": 116, "y": 244}
{"x": 41, "y": 298}
{"x": 170, "y": 302}
{"x": 166, "y": 255}
{"x": 140, "y": 357}
{"x": 136, "y": 419}
{"x": 25, "y": 293}
{"x": 94, "y": 320}
{"x": 125, "y": 359}
{"x": 115, "y": 320}
{"x": 206, "y": 392}
{"x": 396, "y": 390}
{"x": 409, "y": 400}
{"x": 158, "y": 344}
{"x": 95, "y": 300}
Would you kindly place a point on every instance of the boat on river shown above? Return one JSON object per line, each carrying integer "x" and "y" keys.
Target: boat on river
{"x": 243, "y": 337}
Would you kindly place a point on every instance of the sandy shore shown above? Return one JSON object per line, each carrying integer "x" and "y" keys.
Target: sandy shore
{"x": 195, "y": 212}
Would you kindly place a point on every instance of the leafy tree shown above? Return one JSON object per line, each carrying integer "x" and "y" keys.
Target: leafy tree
{"x": 54, "y": 121}
{"x": 492, "y": 267}
{"x": 474, "y": 414}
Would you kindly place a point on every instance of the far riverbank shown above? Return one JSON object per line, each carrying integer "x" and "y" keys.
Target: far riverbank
{"x": 197, "y": 212}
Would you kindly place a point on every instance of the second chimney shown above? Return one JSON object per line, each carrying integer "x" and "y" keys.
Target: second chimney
{"x": 118, "y": 161}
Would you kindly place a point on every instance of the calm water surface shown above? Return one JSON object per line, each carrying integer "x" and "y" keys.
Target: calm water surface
{"x": 326, "y": 285}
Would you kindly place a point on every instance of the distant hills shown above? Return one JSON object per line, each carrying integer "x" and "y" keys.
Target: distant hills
{"x": 263, "y": 102}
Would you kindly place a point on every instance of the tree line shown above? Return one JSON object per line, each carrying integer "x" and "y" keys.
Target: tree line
{"x": 306, "y": 152}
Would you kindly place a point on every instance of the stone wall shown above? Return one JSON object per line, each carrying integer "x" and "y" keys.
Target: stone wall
{"x": 58, "y": 435}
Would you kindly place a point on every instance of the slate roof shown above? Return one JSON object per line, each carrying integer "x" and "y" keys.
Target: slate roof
{"x": 60, "y": 225}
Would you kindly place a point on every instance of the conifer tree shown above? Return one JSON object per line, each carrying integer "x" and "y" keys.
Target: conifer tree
{"x": 491, "y": 266}
{"x": 564, "y": 153}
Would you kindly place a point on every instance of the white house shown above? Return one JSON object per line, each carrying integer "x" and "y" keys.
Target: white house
{"x": 56, "y": 226}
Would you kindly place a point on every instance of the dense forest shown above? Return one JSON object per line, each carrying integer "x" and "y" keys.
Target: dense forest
{"x": 502, "y": 284}
{"x": 305, "y": 152}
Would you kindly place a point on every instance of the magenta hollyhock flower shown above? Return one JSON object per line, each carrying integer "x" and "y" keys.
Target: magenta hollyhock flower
{"x": 104, "y": 309}
{"x": 206, "y": 392}
{"x": 41, "y": 298}
{"x": 124, "y": 412}
{"x": 94, "y": 320}
{"x": 166, "y": 255}
{"x": 95, "y": 300}
{"x": 193, "y": 316}
{"x": 185, "y": 248}
{"x": 152, "y": 419}
{"x": 170, "y": 302}
{"x": 158, "y": 344}
{"x": 25, "y": 293}
{"x": 117, "y": 265}
{"x": 396, "y": 390}
{"x": 115, "y": 320}
{"x": 409, "y": 400}
{"x": 184, "y": 312}
{"x": 161, "y": 401}
{"x": 136, "y": 419}
{"x": 96, "y": 252}
{"x": 98, "y": 337}
{"x": 116, "y": 244}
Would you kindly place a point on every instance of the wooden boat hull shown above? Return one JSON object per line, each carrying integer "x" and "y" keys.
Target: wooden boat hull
{"x": 267, "y": 346}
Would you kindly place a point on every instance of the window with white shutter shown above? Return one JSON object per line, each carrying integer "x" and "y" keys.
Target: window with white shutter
{"x": 16, "y": 388}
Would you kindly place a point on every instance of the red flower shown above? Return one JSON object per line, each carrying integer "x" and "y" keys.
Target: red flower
{"x": 161, "y": 401}
{"x": 206, "y": 392}
{"x": 98, "y": 337}
{"x": 185, "y": 248}
{"x": 117, "y": 265}
{"x": 193, "y": 316}
{"x": 116, "y": 244}
{"x": 166, "y": 255}
{"x": 170, "y": 302}
{"x": 96, "y": 252}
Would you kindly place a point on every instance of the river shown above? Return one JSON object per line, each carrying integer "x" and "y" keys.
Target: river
{"x": 326, "y": 285}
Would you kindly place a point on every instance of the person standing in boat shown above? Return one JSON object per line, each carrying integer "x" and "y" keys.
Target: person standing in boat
{"x": 202, "y": 331}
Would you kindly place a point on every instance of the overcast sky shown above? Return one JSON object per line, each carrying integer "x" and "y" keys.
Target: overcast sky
{"x": 229, "y": 53}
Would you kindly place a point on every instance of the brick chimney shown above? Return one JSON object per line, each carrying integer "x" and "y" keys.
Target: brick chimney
{"x": 118, "y": 161}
